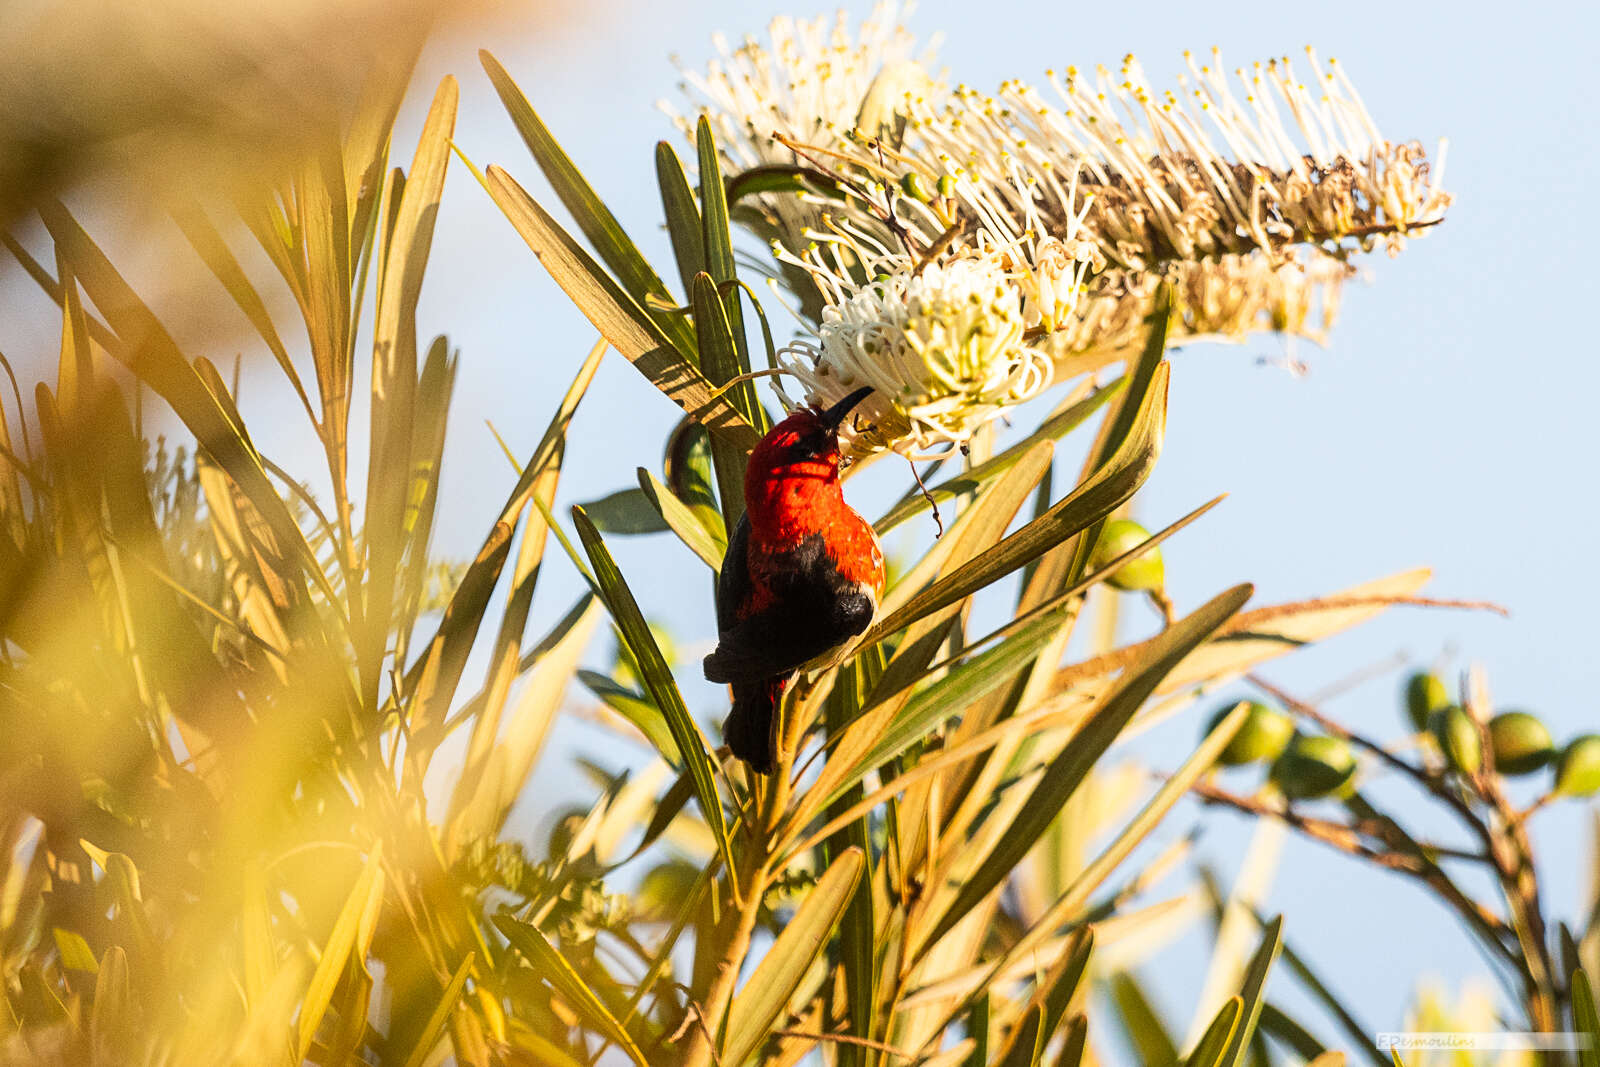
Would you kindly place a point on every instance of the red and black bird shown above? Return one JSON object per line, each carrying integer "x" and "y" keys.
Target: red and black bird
{"x": 802, "y": 575}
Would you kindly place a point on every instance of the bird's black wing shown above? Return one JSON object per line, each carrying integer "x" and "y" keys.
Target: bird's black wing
{"x": 813, "y": 610}
{"x": 733, "y": 580}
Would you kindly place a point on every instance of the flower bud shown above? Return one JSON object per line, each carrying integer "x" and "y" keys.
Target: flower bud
{"x": 1313, "y": 766}
{"x": 1578, "y": 770}
{"x": 1145, "y": 572}
{"x": 1262, "y": 736}
{"x": 1521, "y": 743}
{"x": 1425, "y": 694}
{"x": 1458, "y": 738}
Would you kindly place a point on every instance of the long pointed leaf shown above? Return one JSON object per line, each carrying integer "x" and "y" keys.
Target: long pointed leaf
{"x": 1212, "y": 1047}
{"x": 616, "y": 315}
{"x": 618, "y": 252}
{"x": 776, "y": 978}
{"x": 658, "y": 680}
{"x": 394, "y": 378}
{"x": 1069, "y": 769}
{"x": 702, "y": 541}
{"x": 1096, "y": 498}
{"x": 433, "y": 1029}
{"x": 683, "y": 215}
{"x": 337, "y": 950}
{"x": 1253, "y": 993}
{"x": 553, "y": 968}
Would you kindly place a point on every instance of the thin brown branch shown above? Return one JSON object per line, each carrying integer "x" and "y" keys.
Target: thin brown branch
{"x": 845, "y": 1039}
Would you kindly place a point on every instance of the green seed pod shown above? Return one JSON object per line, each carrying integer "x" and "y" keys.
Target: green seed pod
{"x": 912, "y": 185}
{"x": 1425, "y": 694}
{"x": 947, "y": 186}
{"x": 663, "y": 890}
{"x": 1458, "y": 738}
{"x": 1262, "y": 736}
{"x": 1145, "y": 572}
{"x": 1521, "y": 743}
{"x": 1313, "y": 766}
{"x": 1578, "y": 770}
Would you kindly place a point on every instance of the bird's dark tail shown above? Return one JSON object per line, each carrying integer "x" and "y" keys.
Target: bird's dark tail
{"x": 751, "y": 728}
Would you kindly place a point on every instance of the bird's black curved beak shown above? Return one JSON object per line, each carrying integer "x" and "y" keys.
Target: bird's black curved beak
{"x": 833, "y": 416}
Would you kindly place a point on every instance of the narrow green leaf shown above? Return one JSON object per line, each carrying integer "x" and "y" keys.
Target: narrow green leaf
{"x": 1121, "y": 425}
{"x": 777, "y": 976}
{"x": 595, "y": 220}
{"x": 1357, "y": 1032}
{"x": 1253, "y": 992}
{"x": 658, "y": 680}
{"x": 719, "y": 360}
{"x": 482, "y": 799}
{"x": 112, "y": 1019}
{"x": 538, "y": 477}
{"x": 434, "y": 390}
{"x": 75, "y": 953}
{"x": 338, "y": 949}
{"x": 1141, "y": 1024}
{"x": 1076, "y": 1042}
{"x": 973, "y": 534}
{"x": 643, "y": 714}
{"x": 616, "y": 315}
{"x": 1280, "y": 1025}
{"x": 441, "y": 665}
{"x": 1070, "y": 905}
{"x": 683, "y": 215}
{"x": 1212, "y": 1047}
{"x": 553, "y": 968}
{"x": 628, "y": 512}
{"x": 1585, "y": 1019}
{"x": 1072, "y": 765}
{"x": 1050, "y": 998}
{"x": 433, "y": 1029}
{"x": 780, "y": 178}
{"x": 149, "y": 351}
{"x": 858, "y": 940}
{"x": 953, "y": 694}
{"x": 713, "y": 205}
{"x": 394, "y": 380}
{"x": 718, "y": 245}
{"x": 978, "y": 1030}
{"x": 707, "y": 543}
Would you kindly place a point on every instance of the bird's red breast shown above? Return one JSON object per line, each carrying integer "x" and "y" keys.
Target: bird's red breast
{"x": 789, "y": 500}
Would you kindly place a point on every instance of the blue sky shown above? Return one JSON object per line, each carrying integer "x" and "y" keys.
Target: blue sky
{"x": 1449, "y": 423}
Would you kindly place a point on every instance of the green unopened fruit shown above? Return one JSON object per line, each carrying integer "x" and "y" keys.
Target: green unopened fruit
{"x": 1521, "y": 743}
{"x": 1458, "y": 738}
{"x": 663, "y": 890}
{"x": 1142, "y": 573}
{"x": 1578, "y": 769}
{"x": 1425, "y": 694}
{"x": 1262, "y": 735}
{"x": 1312, "y": 766}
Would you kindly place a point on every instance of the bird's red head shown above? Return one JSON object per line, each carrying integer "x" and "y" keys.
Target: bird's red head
{"x": 794, "y": 471}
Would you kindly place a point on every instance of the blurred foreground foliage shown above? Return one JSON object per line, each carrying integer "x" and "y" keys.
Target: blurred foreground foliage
{"x": 221, "y": 699}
